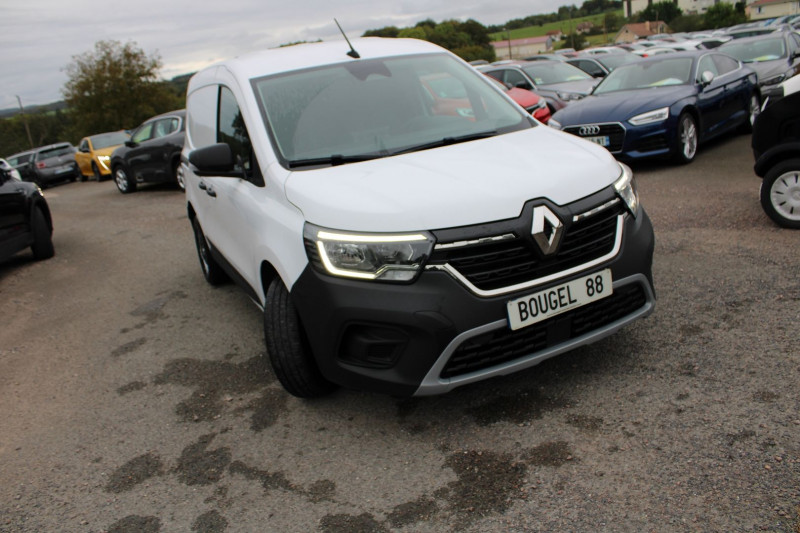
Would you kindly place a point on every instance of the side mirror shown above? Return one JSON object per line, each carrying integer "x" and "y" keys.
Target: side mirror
{"x": 130, "y": 144}
{"x": 213, "y": 160}
{"x": 706, "y": 77}
{"x": 523, "y": 85}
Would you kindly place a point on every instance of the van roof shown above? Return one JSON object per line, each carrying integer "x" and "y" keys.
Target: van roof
{"x": 309, "y": 55}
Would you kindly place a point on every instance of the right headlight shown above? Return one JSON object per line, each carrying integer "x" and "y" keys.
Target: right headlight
{"x": 367, "y": 256}
{"x": 651, "y": 117}
{"x": 626, "y": 189}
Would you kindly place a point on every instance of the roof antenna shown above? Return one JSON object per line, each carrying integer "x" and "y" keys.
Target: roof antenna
{"x": 352, "y": 53}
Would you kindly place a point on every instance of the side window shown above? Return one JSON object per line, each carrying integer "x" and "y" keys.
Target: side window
{"x": 725, "y": 64}
{"x": 84, "y": 146}
{"x": 516, "y": 79}
{"x": 706, "y": 64}
{"x": 201, "y": 116}
{"x": 795, "y": 41}
{"x": 589, "y": 67}
{"x": 231, "y": 130}
{"x": 143, "y": 133}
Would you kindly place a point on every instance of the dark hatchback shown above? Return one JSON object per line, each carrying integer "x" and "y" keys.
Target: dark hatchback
{"x": 25, "y": 220}
{"x": 54, "y": 163}
{"x": 153, "y": 153}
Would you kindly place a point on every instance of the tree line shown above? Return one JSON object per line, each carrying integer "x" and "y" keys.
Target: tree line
{"x": 116, "y": 86}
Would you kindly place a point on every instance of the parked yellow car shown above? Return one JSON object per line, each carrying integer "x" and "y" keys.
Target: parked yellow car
{"x": 94, "y": 153}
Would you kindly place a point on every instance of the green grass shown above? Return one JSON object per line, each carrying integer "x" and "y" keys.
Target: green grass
{"x": 566, "y": 26}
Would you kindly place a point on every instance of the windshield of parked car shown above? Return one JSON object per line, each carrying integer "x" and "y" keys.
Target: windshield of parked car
{"x": 646, "y": 74}
{"x": 550, "y": 73}
{"x": 612, "y": 61}
{"x": 104, "y": 140}
{"x": 373, "y": 108}
{"x": 755, "y": 51}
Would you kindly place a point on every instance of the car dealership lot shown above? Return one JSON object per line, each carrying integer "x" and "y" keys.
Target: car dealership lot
{"x": 133, "y": 397}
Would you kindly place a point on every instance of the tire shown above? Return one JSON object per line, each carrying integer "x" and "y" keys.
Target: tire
{"x": 42, "y": 246}
{"x": 180, "y": 177}
{"x": 211, "y": 270}
{"x": 96, "y": 171}
{"x": 287, "y": 346}
{"x": 780, "y": 193}
{"x": 124, "y": 182}
{"x": 753, "y": 110}
{"x": 687, "y": 138}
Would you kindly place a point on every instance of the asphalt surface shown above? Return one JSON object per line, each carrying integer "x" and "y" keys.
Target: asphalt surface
{"x": 134, "y": 398}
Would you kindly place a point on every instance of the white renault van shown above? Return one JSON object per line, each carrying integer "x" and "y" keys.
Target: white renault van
{"x": 405, "y": 227}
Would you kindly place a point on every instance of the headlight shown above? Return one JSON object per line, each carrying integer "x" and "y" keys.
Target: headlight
{"x": 658, "y": 115}
{"x": 570, "y": 96}
{"x": 104, "y": 160}
{"x": 774, "y": 79}
{"x": 367, "y": 256}
{"x": 626, "y": 189}
{"x": 554, "y": 124}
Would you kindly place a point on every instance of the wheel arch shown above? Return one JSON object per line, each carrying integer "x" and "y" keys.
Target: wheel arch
{"x": 267, "y": 274}
{"x": 38, "y": 204}
{"x": 775, "y": 155}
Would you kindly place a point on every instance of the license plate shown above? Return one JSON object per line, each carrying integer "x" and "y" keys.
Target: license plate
{"x": 550, "y": 302}
{"x": 602, "y": 141}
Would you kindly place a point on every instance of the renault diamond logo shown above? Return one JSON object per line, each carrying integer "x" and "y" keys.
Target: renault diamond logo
{"x": 593, "y": 129}
{"x": 547, "y": 229}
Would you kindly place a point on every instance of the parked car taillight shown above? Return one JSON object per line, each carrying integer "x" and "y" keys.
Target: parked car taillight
{"x": 40, "y": 164}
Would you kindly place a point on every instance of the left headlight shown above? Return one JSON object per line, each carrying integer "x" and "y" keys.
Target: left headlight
{"x": 367, "y": 256}
{"x": 651, "y": 117}
{"x": 568, "y": 97}
{"x": 626, "y": 189}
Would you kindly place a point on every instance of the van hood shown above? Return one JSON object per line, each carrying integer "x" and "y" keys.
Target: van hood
{"x": 464, "y": 184}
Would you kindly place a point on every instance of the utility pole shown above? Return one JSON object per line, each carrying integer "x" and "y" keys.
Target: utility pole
{"x": 25, "y": 121}
{"x": 508, "y": 35}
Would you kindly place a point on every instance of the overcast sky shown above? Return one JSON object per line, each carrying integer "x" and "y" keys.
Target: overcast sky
{"x": 40, "y": 37}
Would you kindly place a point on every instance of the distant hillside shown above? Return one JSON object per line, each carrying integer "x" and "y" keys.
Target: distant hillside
{"x": 178, "y": 83}
{"x": 566, "y": 26}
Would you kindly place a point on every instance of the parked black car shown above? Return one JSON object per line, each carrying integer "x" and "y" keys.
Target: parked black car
{"x": 153, "y": 153}
{"x": 25, "y": 219}
{"x": 776, "y": 147}
{"x": 51, "y": 164}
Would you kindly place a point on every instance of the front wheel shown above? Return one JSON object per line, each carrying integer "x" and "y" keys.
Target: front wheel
{"x": 288, "y": 348}
{"x": 180, "y": 176}
{"x": 42, "y": 246}
{"x": 687, "y": 138}
{"x": 211, "y": 270}
{"x": 124, "y": 182}
{"x": 96, "y": 171}
{"x": 780, "y": 193}
{"x": 753, "y": 110}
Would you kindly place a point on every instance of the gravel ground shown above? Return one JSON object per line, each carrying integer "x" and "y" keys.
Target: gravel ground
{"x": 134, "y": 398}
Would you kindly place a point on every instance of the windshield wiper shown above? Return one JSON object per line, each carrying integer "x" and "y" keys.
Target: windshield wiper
{"x": 448, "y": 141}
{"x": 332, "y": 160}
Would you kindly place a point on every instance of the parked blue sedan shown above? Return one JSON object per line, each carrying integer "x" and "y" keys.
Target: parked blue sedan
{"x": 665, "y": 106}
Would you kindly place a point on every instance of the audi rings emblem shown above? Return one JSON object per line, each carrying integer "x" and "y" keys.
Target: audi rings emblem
{"x": 594, "y": 129}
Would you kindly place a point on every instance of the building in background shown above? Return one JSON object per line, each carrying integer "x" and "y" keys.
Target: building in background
{"x": 520, "y": 48}
{"x": 640, "y": 30}
{"x": 767, "y": 9}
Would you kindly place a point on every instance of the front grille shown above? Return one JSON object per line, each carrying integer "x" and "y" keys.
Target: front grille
{"x": 505, "y": 345}
{"x": 614, "y": 132}
{"x": 506, "y": 262}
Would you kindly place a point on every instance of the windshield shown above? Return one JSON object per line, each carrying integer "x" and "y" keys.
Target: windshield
{"x": 755, "y": 51}
{"x": 612, "y": 61}
{"x": 374, "y": 108}
{"x": 104, "y": 140}
{"x": 672, "y": 71}
{"x": 549, "y": 73}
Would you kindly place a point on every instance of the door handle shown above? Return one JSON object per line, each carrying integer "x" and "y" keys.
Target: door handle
{"x": 207, "y": 188}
